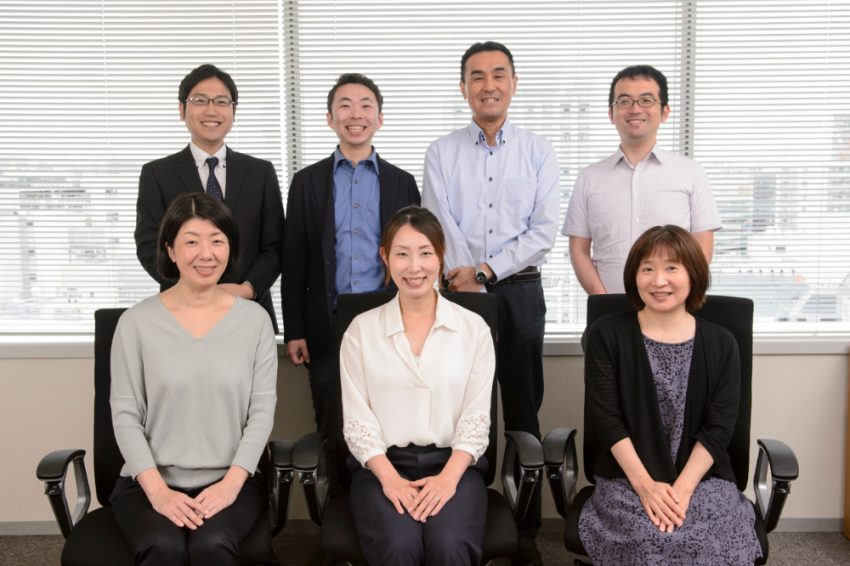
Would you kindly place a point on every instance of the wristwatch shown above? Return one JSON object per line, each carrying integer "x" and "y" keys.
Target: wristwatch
{"x": 481, "y": 276}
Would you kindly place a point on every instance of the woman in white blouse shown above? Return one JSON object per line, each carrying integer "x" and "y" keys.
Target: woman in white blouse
{"x": 417, "y": 374}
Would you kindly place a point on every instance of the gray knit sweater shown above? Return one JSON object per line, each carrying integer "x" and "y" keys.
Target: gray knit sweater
{"x": 192, "y": 407}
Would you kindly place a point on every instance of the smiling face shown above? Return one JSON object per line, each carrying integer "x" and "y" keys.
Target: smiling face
{"x": 208, "y": 124}
{"x": 412, "y": 263}
{"x": 488, "y": 86}
{"x": 663, "y": 283}
{"x": 355, "y": 118}
{"x": 636, "y": 124}
{"x": 200, "y": 252}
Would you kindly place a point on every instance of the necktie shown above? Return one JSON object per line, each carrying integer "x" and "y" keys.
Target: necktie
{"x": 213, "y": 188}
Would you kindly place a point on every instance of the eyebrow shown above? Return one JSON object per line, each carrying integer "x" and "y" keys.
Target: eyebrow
{"x": 481, "y": 71}
{"x": 347, "y": 99}
{"x": 652, "y": 94}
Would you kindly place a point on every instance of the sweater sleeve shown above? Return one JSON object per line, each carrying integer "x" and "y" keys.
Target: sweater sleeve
{"x": 258, "y": 427}
{"x": 602, "y": 394}
{"x": 472, "y": 432}
{"x": 127, "y": 398}
{"x": 722, "y": 408}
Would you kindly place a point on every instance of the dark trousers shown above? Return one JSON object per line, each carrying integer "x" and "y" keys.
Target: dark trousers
{"x": 327, "y": 407}
{"x": 519, "y": 368}
{"x": 155, "y": 540}
{"x": 451, "y": 537}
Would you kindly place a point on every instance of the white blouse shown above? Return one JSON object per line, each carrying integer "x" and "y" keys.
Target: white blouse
{"x": 389, "y": 398}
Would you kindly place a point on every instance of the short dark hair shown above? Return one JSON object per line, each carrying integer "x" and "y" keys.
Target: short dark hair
{"x": 641, "y": 71}
{"x": 202, "y": 73}
{"x": 484, "y": 46}
{"x": 184, "y": 208}
{"x": 423, "y": 221}
{"x": 356, "y": 78}
{"x": 682, "y": 247}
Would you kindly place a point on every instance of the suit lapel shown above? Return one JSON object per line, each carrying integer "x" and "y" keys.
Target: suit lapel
{"x": 234, "y": 173}
{"x": 387, "y": 184}
{"x": 187, "y": 172}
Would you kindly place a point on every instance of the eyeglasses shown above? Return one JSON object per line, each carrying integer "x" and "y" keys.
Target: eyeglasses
{"x": 626, "y": 102}
{"x": 201, "y": 100}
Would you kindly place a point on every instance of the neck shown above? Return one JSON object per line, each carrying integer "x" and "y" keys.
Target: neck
{"x": 490, "y": 129}
{"x": 674, "y": 326}
{"x": 209, "y": 148}
{"x": 425, "y": 305}
{"x": 637, "y": 151}
{"x": 355, "y": 154}
{"x": 193, "y": 297}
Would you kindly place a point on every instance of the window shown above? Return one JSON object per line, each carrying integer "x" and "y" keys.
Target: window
{"x": 758, "y": 95}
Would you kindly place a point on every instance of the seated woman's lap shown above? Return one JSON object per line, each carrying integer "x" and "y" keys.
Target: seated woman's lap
{"x": 154, "y": 539}
{"x": 453, "y": 536}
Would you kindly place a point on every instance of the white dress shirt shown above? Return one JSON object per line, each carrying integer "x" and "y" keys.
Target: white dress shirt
{"x": 497, "y": 204}
{"x": 392, "y": 398}
{"x": 614, "y": 203}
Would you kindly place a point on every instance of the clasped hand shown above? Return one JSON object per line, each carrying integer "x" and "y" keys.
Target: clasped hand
{"x": 185, "y": 511}
{"x": 422, "y": 498}
{"x": 664, "y": 505}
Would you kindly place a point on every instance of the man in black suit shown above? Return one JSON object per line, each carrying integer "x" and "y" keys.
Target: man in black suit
{"x": 248, "y": 186}
{"x": 337, "y": 208}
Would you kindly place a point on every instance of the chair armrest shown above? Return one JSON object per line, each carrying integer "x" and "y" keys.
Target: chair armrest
{"x": 559, "y": 451}
{"x": 280, "y": 482}
{"x": 778, "y": 458}
{"x": 309, "y": 462}
{"x": 52, "y": 470}
{"x": 523, "y": 455}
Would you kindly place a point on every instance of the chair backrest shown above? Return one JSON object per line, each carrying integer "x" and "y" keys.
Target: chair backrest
{"x": 107, "y": 457}
{"x": 736, "y": 315}
{"x": 483, "y": 304}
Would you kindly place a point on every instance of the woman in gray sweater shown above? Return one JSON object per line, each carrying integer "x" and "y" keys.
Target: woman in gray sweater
{"x": 193, "y": 395}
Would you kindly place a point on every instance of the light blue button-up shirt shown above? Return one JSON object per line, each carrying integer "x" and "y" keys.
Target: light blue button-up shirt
{"x": 497, "y": 204}
{"x": 357, "y": 213}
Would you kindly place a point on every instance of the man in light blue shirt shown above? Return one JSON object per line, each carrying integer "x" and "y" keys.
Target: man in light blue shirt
{"x": 339, "y": 206}
{"x": 494, "y": 187}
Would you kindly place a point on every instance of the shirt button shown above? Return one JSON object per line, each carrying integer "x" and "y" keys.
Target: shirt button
{"x": 355, "y": 231}
{"x": 491, "y": 179}
{"x": 357, "y": 257}
{"x": 354, "y": 283}
{"x": 491, "y": 153}
{"x": 491, "y": 205}
{"x": 491, "y": 231}
{"x": 356, "y": 181}
{"x": 491, "y": 256}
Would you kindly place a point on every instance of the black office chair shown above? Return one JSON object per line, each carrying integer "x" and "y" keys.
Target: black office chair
{"x": 736, "y": 314}
{"x": 93, "y": 539}
{"x": 521, "y": 469}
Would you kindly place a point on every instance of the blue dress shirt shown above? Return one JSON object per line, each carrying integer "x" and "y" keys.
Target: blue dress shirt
{"x": 358, "y": 225}
{"x": 497, "y": 204}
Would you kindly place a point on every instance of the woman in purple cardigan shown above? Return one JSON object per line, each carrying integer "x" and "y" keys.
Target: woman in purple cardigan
{"x": 662, "y": 390}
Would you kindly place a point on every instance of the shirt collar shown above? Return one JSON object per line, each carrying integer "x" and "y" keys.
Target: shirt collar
{"x": 339, "y": 158}
{"x": 445, "y": 316}
{"x": 478, "y": 137}
{"x": 200, "y": 156}
{"x": 655, "y": 154}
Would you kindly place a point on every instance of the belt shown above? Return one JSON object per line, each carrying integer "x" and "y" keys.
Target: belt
{"x": 530, "y": 273}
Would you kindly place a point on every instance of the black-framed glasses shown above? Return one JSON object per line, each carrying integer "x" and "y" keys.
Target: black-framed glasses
{"x": 202, "y": 100}
{"x": 626, "y": 102}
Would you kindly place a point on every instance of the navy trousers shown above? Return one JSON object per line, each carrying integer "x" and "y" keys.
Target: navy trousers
{"x": 519, "y": 368}
{"x": 453, "y": 537}
{"x": 155, "y": 541}
{"x": 327, "y": 408}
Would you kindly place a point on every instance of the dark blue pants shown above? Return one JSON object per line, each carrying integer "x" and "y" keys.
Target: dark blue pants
{"x": 452, "y": 537}
{"x": 519, "y": 368}
{"x": 327, "y": 407}
{"x": 154, "y": 540}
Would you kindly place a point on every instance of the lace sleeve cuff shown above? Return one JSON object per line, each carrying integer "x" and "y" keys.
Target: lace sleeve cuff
{"x": 472, "y": 434}
{"x": 364, "y": 441}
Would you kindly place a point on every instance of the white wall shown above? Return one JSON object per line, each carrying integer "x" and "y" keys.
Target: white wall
{"x": 46, "y": 404}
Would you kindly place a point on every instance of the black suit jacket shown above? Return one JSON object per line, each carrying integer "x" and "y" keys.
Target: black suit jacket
{"x": 252, "y": 194}
{"x": 309, "y": 255}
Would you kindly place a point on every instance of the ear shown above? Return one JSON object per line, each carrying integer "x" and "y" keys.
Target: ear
{"x": 611, "y": 114}
{"x": 330, "y": 120}
{"x": 182, "y": 107}
{"x": 171, "y": 255}
{"x": 514, "y": 80}
{"x": 463, "y": 89}
{"x": 380, "y": 120}
{"x": 384, "y": 259}
{"x": 665, "y": 113}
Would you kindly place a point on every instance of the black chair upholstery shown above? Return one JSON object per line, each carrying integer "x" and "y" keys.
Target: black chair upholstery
{"x": 93, "y": 539}
{"x": 521, "y": 469}
{"x": 735, "y": 314}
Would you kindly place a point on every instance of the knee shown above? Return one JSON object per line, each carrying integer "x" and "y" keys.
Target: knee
{"x": 213, "y": 548}
{"x": 449, "y": 547}
{"x": 396, "y": 549}
{"x": 162, "y": 548}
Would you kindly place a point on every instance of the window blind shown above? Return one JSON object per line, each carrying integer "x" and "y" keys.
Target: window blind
{"x": 757, "y": 90}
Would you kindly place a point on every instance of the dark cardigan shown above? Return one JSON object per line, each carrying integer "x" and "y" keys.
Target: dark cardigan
{"x": 621, "y": 400}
